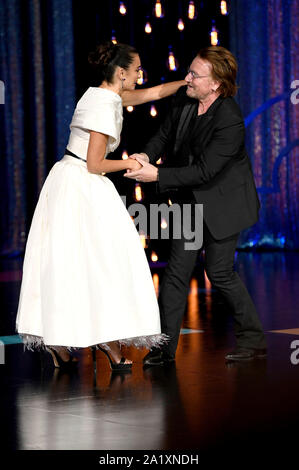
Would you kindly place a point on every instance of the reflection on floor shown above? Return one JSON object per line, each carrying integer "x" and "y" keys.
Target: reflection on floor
{"x": 200, "y": 402}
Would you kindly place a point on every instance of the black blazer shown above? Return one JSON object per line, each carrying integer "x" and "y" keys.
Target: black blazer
{"x": 218, "y": 172}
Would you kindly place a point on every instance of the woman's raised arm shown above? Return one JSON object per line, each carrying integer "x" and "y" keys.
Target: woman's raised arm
{"x": 135, "y": 97}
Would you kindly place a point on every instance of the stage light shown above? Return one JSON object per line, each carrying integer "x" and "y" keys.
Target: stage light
{"x": 159, "y": 12}
{"x": 156, "y": 283}
{"x": 125, "y": 155}
{"x": 214, "y": 36}
{"x": 113, "y": 39}
{"x": 122, "y": 8}
{"x": 158, "y": 162}
{"x": 223, "y": 7}
{"x": 181, "y": 25}
{"x": 208, "y": 285}
{"x": 130, "y": 109}
{"x": 172, "y": 62}
{"x": 282, "y": 240}
{"x": 192, "y": 13}
{"x": 138, "y": 192}
{"x": 154, "y": 257}
{"x": 153, "y": 111}
{"x": 169, "y": 202}
{"x": 143, "y": 239}
{"x": 142, "y": 77}
{"x": 148, "y": 28}
{"x": 164, "y": 224}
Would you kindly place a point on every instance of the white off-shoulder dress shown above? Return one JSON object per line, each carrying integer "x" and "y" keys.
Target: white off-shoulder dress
{"x": 86, "y": 279}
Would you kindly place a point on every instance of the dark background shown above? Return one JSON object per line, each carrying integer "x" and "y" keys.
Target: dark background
{"x": 44, "y": 46}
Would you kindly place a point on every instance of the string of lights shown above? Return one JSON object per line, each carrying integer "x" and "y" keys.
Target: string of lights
{"x": 155, "y": 19}
{"x": 190, "y": 11}
{"x": 192, "y": 14}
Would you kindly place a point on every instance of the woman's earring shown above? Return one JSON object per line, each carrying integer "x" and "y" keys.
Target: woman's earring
{"x": 122, "y": 82}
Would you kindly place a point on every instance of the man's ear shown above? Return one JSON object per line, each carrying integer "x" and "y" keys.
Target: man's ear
{"x": 216, "y": 85}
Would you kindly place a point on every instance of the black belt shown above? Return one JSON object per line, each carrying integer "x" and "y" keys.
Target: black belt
{"x": 68, "y": 152}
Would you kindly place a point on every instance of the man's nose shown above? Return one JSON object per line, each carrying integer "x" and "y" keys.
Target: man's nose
{"x": 188, "y": 77}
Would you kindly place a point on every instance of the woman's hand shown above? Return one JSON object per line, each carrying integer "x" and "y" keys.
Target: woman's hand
{"x": 146, "y": 174}
{"x": 134, "y": 165}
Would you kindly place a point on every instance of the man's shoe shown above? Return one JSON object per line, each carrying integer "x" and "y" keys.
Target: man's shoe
{"x": 167, "y": 358}
{"x": 153, "y": 357}
{"x": 157, "y": 357}
{"x": 244, "y": 354}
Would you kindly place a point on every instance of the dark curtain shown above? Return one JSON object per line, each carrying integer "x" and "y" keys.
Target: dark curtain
{"x": 37, "y": 69}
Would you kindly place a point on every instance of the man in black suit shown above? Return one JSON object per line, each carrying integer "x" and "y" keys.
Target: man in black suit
{"x": 203, "y": 136}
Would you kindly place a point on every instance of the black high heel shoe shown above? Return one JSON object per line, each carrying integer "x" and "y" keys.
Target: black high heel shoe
{"x": 59, "y": 362}
{"x": 117, "y": 366}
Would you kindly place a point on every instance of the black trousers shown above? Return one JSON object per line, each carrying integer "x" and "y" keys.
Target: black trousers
{"x": 219, "y": 267}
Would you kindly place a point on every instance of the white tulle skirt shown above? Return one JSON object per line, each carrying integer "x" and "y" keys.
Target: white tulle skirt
{"x": 86, "y": 279}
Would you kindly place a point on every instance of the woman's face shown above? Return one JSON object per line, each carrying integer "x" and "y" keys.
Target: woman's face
{"x": 131, "y": 75}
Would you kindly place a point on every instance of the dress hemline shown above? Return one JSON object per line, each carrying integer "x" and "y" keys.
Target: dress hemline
{"x": 32, "y": 342}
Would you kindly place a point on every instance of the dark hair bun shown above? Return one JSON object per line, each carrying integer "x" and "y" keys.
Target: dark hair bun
{"x": 107, "y": 57}
{"x": 103, "y": 54}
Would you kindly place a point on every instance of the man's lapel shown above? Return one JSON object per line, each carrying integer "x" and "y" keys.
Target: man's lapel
{"x": 206, "y": 118}
{"x": 202, "y": 131}
{"x": 184, "y": 122}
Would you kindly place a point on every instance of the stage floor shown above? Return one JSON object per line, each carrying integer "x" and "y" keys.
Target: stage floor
{"x": 199, "y": 403}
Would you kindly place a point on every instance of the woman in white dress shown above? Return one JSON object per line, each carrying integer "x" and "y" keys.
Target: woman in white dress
{"x": 86, "y": 280}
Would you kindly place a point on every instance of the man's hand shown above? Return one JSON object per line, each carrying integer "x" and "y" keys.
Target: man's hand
{"x": 143, "y": 156}
{"x": 146, "y": 174}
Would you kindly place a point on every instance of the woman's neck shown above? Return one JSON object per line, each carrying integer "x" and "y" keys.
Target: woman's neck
{"x": 112, "y": 87}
